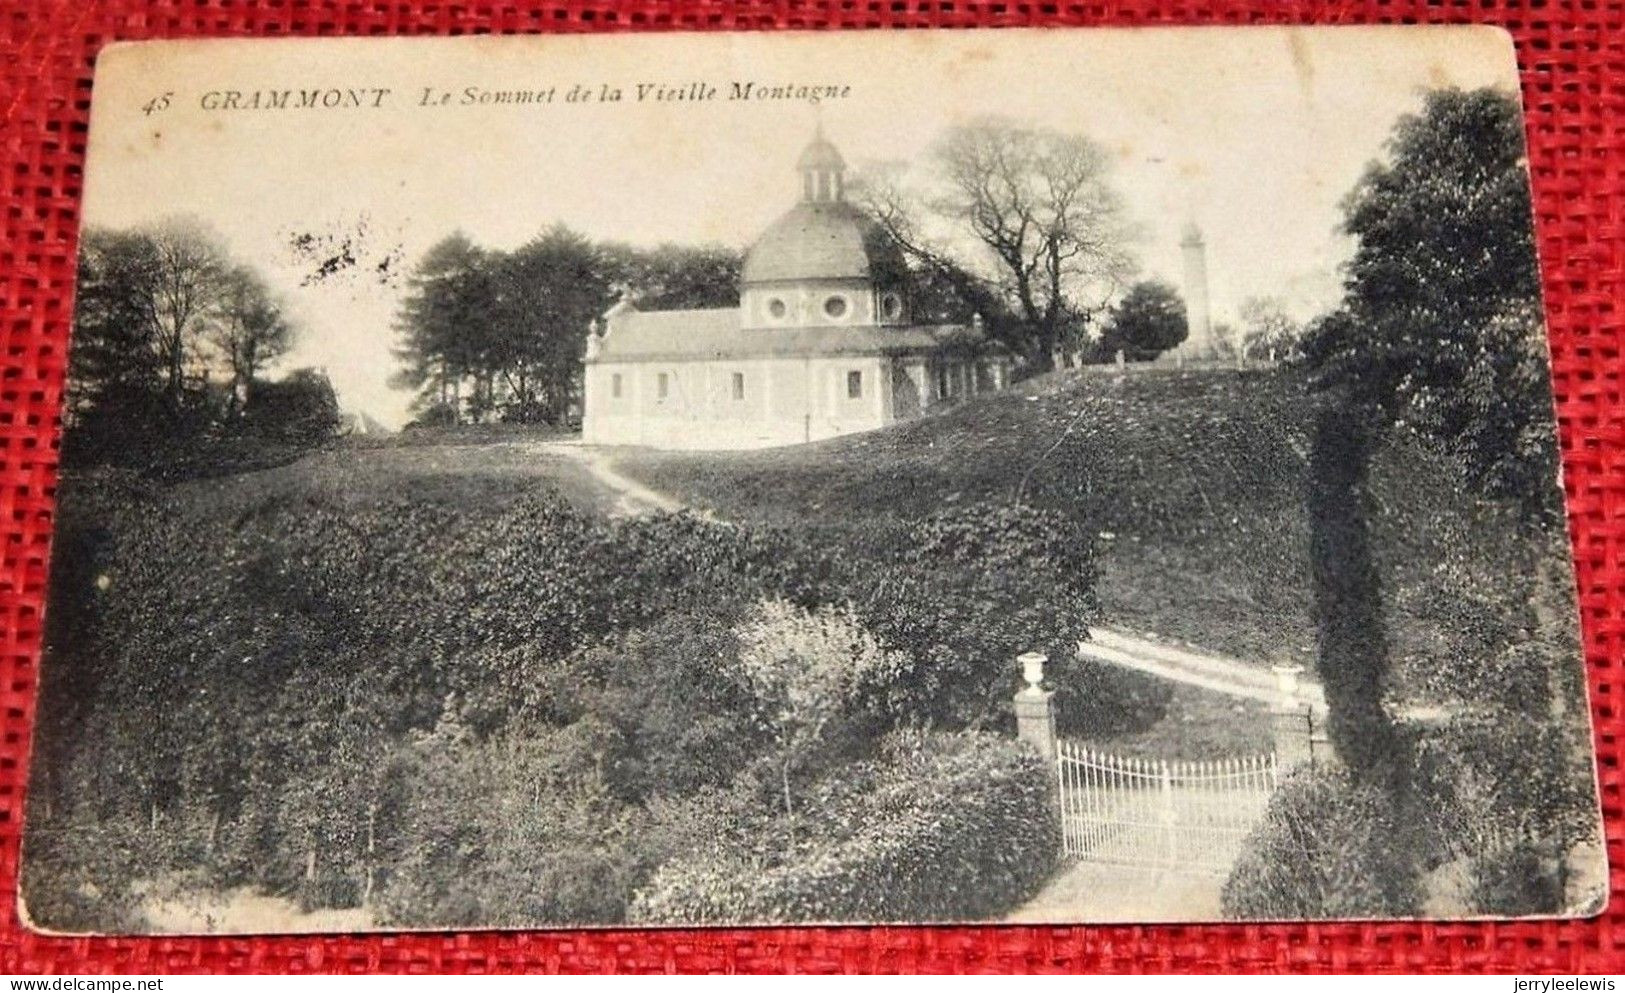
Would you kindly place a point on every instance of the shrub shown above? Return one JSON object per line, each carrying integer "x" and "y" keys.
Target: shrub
{"x": 1511, "y": 798}
{"x": 960, "y": 593}
{"x": 1149, "y": 320}
{"x": 80, "y": 877}
{"x": 806, "y": 671}
{"x": 435, "y": 415}
{"x": 939, "y": 827}
{"x": 300, "y": 409}
{"x": 966, "y": 590}
{"x": 680, "y": 716}
{"x": 512, "y": 831}
{"x": 1006, "y": 537}
{"x": 1327, "y": 848}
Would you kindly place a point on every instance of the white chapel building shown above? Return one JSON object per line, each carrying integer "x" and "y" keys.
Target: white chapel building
{"x": 821, "y": 344}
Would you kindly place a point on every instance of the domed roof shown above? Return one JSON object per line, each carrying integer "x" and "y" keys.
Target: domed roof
{"x": 828, "y": 239}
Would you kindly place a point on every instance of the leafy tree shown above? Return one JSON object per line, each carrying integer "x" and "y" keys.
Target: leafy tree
{"x": 116, "y": 367}
{"x": 249, "y": 329}
{"x": 677, "y": 277}
{"x": 1149, "y": 320}
{"x": 511, "y": 325}
{"x": 163, "y": 316}
{"x": 807, "y": 670}
{"x": 551, "y": 289}
{"x": 146, "y": 303}
{"x": 1267, "y": 331}
{"x": 1032, "y": 214}
{"x": 189, "y": 268}
{"x": 1439, "y": 335}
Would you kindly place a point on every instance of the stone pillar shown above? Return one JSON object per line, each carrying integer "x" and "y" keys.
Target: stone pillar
{"x": 1291, "y": 720}
{"x": 1035, "y": 713}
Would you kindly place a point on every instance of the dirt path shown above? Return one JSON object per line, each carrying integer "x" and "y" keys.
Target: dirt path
{"x": 1092, "y": 893}
{"x": 1097, "y": 892}
{"x": 632, "y": 497}
{"x": 1183, "y": 665}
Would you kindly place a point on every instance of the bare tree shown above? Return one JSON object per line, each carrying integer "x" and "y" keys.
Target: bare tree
{"x": 1047, "y": 233}
{"x": 189, "y": 271}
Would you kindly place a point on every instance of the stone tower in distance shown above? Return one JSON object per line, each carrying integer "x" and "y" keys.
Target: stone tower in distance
{"x": 1199, "y": 344}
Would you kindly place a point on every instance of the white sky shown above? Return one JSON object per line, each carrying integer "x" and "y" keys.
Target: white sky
{"x": 1255, "y": 133}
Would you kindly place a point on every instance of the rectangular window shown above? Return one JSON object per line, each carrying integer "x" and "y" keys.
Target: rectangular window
{"x": 662, "y": 386}
{"x": 615, "y": 385}
{"x": 739, "y": 386}
{"x": 854, "y": 384}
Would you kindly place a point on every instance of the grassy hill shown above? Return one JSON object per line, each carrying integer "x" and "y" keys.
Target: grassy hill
{"x": 1194, "y": 482}
{"x": 470, "y": 474}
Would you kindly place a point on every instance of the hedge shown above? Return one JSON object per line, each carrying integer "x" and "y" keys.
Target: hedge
{"x": 337, "y": 626}
{"x": 1327, "y": 848}
{"x": 939, "y": 827}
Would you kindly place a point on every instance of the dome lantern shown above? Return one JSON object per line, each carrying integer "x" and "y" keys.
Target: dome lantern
{"x": 822, "y": 170}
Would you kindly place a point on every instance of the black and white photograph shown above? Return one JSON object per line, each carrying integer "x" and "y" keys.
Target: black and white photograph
{"x": 717, "y": 479}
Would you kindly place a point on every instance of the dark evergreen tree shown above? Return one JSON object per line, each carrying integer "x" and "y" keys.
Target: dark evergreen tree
{"x": 551, "y": 289}
{"x": 115, "y": 370}
{"x": 445, "y": 323}
{"x": 1149, "y": 320}
{"x": 1439, "y": 335}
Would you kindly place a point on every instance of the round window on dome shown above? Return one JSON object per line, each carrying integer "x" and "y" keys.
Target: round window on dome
{"x": 776, "y": 309}
{"x": 835, "y": 307}
{"x": 891, "y": 305}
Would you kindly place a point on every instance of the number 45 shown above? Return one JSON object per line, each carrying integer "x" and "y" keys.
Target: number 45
{"x": 156, "y": 104}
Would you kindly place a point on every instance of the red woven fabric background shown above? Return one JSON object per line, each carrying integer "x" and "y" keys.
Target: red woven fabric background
{"x": 1571, "y": 55}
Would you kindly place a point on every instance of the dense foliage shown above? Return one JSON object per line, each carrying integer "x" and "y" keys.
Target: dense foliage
{"x": 1329, "y": 847}
{"x": 1440, "y": 330}
{"x": 1149, "y": 320}
{"x": 171, "y": 341}
{"x": 1507, "y": 802}
{"x": 1353, "y": 659}
{"x": 1487, "y": 825}
{"x": 1476, "y": 608}
{"x": 935, "y": 828}
{"x": 1225, "y": 449}
{"x": 1439, "y": 339}
{"x": 490, "y": 335}
{"x": 454, "y": 715}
